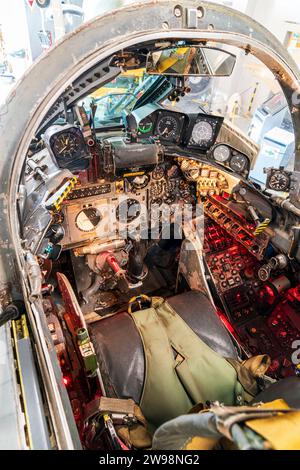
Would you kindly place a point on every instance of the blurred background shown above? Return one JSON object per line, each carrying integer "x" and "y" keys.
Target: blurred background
{"x": 28, "y": 27}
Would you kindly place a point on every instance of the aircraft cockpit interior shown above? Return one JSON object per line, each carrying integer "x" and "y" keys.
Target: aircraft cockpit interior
{"x": 160, "y": 231}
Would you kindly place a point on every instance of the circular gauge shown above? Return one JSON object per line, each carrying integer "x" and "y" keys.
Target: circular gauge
{"x": 140, "y": 182}
{"x": 66, "y": 144}
{"x": 158, "y": 173}
{"x": 88, "y": 219}
{"x": 167, "y": 127}
{"x": 145, "y": 126}
{"x": 279, "y": 181}
{"x": 128, "y": 210}
{"x": 238, "y": 163}
{"x": 202, "y": 133}
{"x": 221, "y": 153}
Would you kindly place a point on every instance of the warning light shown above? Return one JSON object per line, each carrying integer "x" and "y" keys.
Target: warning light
{"x": 67, "y": 380}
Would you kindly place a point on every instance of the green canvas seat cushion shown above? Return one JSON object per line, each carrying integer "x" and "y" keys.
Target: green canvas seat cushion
{"x": 181, "y": 370}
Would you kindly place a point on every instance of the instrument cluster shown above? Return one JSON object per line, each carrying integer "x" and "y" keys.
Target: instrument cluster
{"x": 167, "y": 186}
{"x": 154, "y": 130}
{"x": 102, "y": 216}
{"x": 231, "y": 158}
{"x": 133, "y": 175}
{"x": 106, "y": 209}
{"x": 209, "y": 181}
{"x": 194, "y": 132}
{"x": 197, "y": 131}
{"x": 165, "y": 125}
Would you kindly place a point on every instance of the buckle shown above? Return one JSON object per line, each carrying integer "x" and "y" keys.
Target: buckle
{"x": 139, "y": 302}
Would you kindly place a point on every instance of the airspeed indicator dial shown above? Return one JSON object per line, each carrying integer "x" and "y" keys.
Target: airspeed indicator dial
{"x": 167, "y": 127}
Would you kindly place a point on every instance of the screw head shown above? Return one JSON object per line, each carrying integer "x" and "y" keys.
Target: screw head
{"x": 177, "y": 12}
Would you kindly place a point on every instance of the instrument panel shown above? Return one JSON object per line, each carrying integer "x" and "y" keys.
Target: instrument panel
{"x": 193, "y": 132}
{"x": 197, "y": 131}
{"x": 102, "y": 217}
{"x": 209, "y": 181}
{"x": 229, "y": 157}
{"x": 111, "y": 209}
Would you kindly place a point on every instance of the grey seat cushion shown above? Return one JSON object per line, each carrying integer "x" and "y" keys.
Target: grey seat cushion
{"x": 288, "y": 389}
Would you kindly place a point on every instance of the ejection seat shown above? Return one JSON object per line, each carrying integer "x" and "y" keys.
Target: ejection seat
{"x": 120, "y": 351}
{"x": 121, "y": 356}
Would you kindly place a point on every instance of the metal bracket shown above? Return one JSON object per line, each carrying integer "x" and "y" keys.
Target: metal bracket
{"x": 191, "y": 18}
